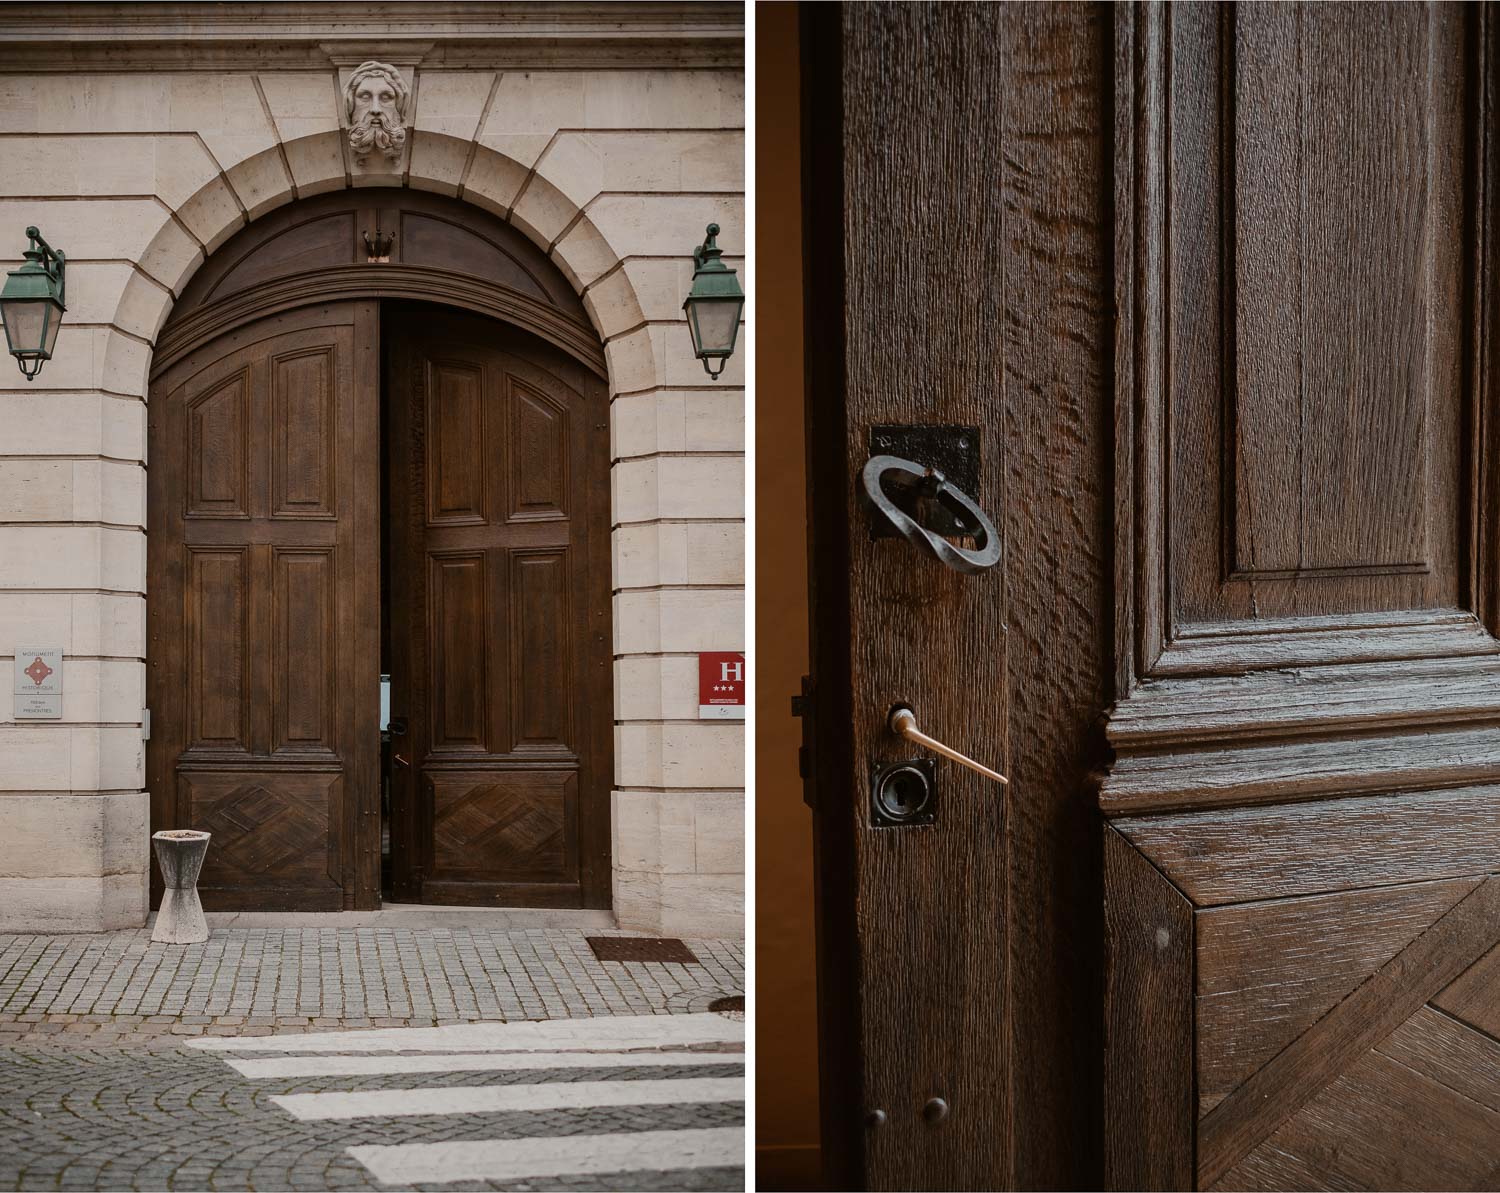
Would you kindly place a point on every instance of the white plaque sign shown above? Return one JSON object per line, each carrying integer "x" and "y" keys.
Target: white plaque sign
{"x": 38, "y": 688}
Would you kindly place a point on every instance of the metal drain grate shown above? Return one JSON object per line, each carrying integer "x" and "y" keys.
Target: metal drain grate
{"x": 641, "y": 948}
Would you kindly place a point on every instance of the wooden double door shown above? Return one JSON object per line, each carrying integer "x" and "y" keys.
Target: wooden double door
{"x": 1198, "y": 303}
{"x": 347, "y": 490}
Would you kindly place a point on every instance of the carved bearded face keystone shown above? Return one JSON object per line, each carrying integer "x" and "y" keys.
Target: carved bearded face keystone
{"x": 375, "y": 101}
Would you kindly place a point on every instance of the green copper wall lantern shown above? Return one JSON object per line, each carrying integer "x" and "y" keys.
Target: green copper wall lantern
{"x": 713, "y": 306}
{"x": 31, "y": 305}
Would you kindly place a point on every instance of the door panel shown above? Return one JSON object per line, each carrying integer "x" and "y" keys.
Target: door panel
{"x": 262, "y": 595}
{"x": 499, "y": 645}
{"x": 1301, "y": 807}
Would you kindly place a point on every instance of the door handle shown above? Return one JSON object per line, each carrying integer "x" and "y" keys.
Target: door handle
{"x": 400, "y": 761}
{"x": 933, "y": 484}
{"x": 903, "y": 723}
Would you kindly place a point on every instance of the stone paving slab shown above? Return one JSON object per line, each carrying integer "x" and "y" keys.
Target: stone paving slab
{"x": 120, "y": 988}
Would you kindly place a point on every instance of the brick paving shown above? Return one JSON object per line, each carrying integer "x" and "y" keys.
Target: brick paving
{"x": 120, "y": 988}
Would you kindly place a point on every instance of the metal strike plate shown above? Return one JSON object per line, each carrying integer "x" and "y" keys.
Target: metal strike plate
{"x": 903, "y": 794}
{"x": 953, "y": 451}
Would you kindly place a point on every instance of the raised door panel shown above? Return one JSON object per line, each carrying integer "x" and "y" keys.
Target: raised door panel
{"x": 499, "y": 564}
{"x": 217, "y": 606}
{"x": 262, "y": 676}
{"x": 537, "y": 443}
{"x": 304, "y": 435}
{"x": 1330, "y": 1022}
{"x": 541, "y": 625}
{"x": 1343, "y": 179}
{"x": 455, "y": 444}
{"x": 517, "y": 826}
{"x": 275, "y": 833}
{"x": 1312, "y": 386}
{"x": 305, "y": 692}
{"x": 458, "y": 650}
{"x": 217, "y": 451}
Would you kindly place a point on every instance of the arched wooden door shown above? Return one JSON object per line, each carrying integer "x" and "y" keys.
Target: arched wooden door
{"x": 316, "y": 519}
{"x": 498, "y": 625}
{"x": 263, "y": 608}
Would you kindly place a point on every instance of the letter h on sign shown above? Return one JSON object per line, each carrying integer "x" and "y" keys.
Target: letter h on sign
{"x": 721, "y": 685}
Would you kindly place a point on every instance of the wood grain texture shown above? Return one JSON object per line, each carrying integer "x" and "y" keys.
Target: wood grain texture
{"x": 1475, "y": 996}
{"x": 1339, "y": 176}
{"x": 264, "y": 608}
{"x": 1266, "y": 972}
{"x": 1362, "y": 1133}
{"x": 499, "y": 629}
{"x": 1357, "y": 141}
{"x": 934, "y": 975}
{"x": 1231, "y": 647}
{"x": 1252, "y": 495}
{"x": 1243, "y": 854}
{"x": 1148, "y": 1056}
{"x": 1055, "y": 503}
{"x": 1449, "y": 1052}
{"x": 1299, "y": 769}
{"x": 1280, "y": 1089}
{"x": 1341, "y": 699}
{"x": 975, "y": 942}
{"x": 1305, "y": 583}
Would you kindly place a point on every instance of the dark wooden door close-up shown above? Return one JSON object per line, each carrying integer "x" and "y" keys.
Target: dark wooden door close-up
{"x": 1198, "y": 305}
{"x": 497, "y": 491}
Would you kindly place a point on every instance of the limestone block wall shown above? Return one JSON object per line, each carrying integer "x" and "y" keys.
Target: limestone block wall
{"x": 138, "y": 175}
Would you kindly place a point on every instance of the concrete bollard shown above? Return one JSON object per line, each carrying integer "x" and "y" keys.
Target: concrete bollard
{"x": 179, "y": 853}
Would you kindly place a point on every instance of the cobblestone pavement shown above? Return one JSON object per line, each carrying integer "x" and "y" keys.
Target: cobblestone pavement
{"x": 119, "y": 988}
{"x": 496, "y": 1106}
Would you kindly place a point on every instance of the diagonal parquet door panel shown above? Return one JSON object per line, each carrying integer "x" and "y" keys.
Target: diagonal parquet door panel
{"x": 1475, "y": 996}
{"x": 1343, "y": 1137}
{"x": 1266, "y": 972}
{"x": 1327, "y": 1094}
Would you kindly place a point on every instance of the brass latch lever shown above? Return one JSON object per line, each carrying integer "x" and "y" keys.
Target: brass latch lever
{"x": 903, "y": 723}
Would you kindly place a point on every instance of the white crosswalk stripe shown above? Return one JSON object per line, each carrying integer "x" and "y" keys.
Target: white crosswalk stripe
{"x": 573, "y": 1155}
{"x": 531, "y": 1049}
{"x": 477, "y": 1099}
{"x": 613, "y": 1032}
{"x": 383, "y": 1064}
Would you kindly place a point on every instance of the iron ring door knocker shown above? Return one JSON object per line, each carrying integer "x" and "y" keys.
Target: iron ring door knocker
{"x": 986, "y": 551}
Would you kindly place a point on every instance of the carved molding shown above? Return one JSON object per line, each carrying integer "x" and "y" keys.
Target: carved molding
{"x": 418, "y": 282}
{"x": 1253, "y": 704}
{"x": 1165, "y": 571}
{"x": 300, "y": 36}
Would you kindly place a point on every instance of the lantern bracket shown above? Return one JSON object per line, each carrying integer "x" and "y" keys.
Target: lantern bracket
{"x": 53, "y": 261}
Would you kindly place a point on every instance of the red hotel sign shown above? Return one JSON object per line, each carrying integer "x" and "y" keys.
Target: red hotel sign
{"x": 721, "y": 684}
